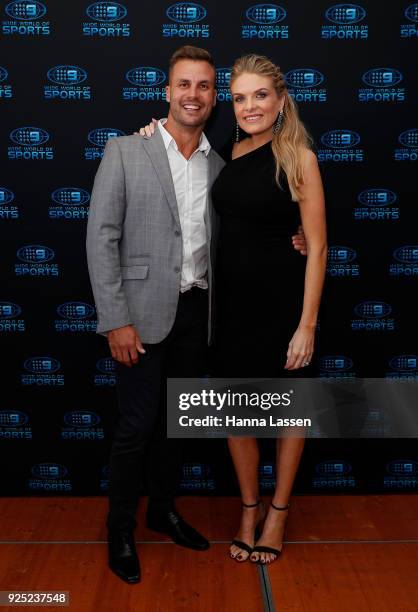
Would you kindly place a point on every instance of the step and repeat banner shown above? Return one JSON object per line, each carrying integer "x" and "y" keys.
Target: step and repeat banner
{"x": 72, "y": 75}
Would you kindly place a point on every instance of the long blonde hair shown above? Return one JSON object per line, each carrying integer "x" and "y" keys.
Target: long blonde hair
{"x": 292, "y": 138}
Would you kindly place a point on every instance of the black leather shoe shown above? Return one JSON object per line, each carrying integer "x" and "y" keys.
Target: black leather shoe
{"x": 172, "y": 524}
{"x": 123, "y": 558}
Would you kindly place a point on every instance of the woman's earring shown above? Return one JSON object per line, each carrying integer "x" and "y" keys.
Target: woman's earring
{"x": 278, "y": 123}
{"x": 237, "y": 133}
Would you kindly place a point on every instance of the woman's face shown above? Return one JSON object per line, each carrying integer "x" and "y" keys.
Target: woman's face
{"x": 256, "y": 103}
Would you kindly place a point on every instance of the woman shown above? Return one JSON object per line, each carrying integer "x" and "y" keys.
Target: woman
{"x": 267, "y": 295}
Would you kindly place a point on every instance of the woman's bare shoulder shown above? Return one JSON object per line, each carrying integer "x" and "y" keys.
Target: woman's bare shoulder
{"x": 309, "y": 157}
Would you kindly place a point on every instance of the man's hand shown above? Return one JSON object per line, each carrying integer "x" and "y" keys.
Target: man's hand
{"x": 149, "y": 129}
{"x": 299, "y": 241}
{"x": 125, "y": 344}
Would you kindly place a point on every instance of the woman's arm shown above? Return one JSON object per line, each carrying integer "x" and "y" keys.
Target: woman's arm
{"x": 312, "y": 210}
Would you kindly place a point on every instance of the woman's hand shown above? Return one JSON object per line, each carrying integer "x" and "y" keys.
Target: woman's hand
{"x": 301, "y": 348}
{"x": 149, "y": 129}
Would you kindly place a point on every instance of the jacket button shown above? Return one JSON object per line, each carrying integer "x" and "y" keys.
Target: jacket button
{"x": 177, "y": 269}
{"x": 177, "y": 233}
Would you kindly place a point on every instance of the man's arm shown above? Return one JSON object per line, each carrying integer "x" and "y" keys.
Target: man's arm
{"x": 104, "y": 230}
{"x": 299, "y": 241}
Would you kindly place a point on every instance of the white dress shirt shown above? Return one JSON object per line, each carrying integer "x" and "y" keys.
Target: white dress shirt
{"x": 190, "y": 178}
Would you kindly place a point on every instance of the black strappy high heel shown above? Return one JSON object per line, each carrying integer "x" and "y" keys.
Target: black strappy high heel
{"x": 246, "y": 547}
{"x": 269, "y": 549}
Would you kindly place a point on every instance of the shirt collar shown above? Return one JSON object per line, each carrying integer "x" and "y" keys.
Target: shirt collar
{"x": 204, "y": 144}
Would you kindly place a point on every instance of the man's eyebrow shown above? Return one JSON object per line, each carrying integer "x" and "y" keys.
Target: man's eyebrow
{"x": 180, "y": 80}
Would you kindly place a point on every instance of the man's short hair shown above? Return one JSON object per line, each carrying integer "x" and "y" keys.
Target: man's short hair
{"x": 190, "y": 53}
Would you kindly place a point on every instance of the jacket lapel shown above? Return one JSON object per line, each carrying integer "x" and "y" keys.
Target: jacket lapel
{"x": 155, "y": 148}
{"x": 213, "y": 172}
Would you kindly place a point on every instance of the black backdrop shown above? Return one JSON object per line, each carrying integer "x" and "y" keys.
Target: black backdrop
{"x": 72, "y": 75}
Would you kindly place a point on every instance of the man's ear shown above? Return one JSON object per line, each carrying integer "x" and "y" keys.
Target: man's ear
{"x": 167, "y": 93}
{"x": 215, "y": 98}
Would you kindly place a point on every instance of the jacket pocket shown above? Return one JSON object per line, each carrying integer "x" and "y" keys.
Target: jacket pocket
{"x": 134, "y": 272}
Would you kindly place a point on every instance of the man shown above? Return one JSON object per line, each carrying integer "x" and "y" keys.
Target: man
{"x": 148, "y": 247}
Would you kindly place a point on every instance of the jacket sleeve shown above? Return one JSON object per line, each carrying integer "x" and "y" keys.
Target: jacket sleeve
{"x": 104, "y": 231}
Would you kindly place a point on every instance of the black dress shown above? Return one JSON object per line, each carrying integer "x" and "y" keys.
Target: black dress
{"x": 259, "y": 277}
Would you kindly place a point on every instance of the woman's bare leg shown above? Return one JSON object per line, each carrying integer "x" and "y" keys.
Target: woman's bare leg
{"x": 288, "y": 455}
{"x": 245, "y": 456}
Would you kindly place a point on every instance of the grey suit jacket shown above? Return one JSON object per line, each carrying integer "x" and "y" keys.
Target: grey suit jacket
{"x": 134, "y": 240}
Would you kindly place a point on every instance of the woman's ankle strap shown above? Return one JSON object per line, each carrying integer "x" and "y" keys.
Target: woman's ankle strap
{"x": 251, "y": 505}
{"x": 280, "y": 507}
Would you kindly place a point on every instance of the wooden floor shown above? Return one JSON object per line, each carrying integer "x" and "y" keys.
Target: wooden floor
{"x": 341, "y": 553}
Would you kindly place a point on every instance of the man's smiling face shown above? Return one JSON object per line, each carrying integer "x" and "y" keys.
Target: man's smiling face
{"x": 191, "y": 92}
